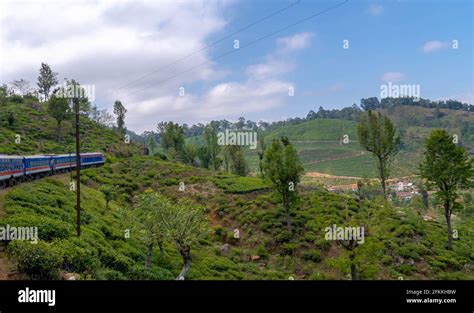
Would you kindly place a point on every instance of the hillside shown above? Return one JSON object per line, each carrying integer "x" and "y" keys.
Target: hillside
{"x": 405, "y": 241}
{"x": 320, "y": 147}
{"x": 400, "y": 242}
{"x": 37, "y": 131}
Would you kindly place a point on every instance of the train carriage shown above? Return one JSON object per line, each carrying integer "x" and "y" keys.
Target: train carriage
{"x": 89, "y": 159}
{"x": 20, "y": 168}
{"x": 11, "y": 167}
{"x": 35, "y": 164}
{"x": 64, "y": 161}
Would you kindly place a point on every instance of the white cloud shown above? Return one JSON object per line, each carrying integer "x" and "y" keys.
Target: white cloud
{"x": 271, "y": 68}
{"x": 393, "y": 76}
{"x": 375, "y": 9}
{"x": 294, "y": 43}
{"x": 435, "y": 45}
{"x": 262, "y": 90}
{"x": 110, "y": 44}
{"x": 225, "y": 100}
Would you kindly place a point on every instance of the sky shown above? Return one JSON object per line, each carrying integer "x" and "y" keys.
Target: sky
{"x": 194, "y": 61}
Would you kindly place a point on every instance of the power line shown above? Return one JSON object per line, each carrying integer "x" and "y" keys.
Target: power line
{"x": 241, "y": 47}
{"x": 206, "y": 47}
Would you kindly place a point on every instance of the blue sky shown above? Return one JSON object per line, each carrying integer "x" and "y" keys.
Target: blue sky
{"x": 126, "y": 50}
{"x": 384, "y": 36}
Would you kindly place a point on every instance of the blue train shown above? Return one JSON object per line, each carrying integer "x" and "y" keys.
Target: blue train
{"x": 15, "y": 169}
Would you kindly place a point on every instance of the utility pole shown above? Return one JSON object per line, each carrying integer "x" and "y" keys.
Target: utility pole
{"x": 78, "y": 168}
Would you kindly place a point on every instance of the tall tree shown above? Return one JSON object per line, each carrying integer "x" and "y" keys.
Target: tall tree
{"x": 152, "y": 144}
{"x": 150, "y": 208}
{"x": 446, "y": 167}
{"x": 283, "y": 168}
{"x": 46, "y": 80}
{"x": 185, "y": 224}
{"x": 21, "y": 87}
{"x": 377, "y": 135}
{"x": 238, "y": 165}
{"x": 119, "y": 111}
{"x": 104, "y": 118}
{"x": 190, "y": 153}
{"x": 240, "y": 123}
{"x": 370, "y": 104}
{"x": 203, "y": 156}
{"x": 172, "y": 139}
{"x": 74, "y": 90}
{"x": 58, "y": 108}
{"x": 261, "y": 153}
{"x": 108, "y": 193}
{"x": 210, "y": 135}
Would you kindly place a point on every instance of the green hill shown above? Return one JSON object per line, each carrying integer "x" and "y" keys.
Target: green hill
{"x": 319, "y": 141}
{"x": 37, "y": 131}
{"x": 401, "y": 241}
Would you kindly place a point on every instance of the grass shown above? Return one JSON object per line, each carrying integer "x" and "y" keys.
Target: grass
{"x": 103, "y": 252}
{"x": 239, "y": 184}
{"x": 400, "y": 242}
{"x": 37, "y": 133}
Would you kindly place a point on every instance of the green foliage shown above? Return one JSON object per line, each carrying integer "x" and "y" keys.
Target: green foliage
{"x": 58, "y": 108}
{"x": 213, "y": 148}
{"x": 38, "y": 131}
{"x": 109, "y": 193}
{"x": 172, "y": 137}
{"x": 48, "y": 228}
{"x": 46, "y": 80}
{"x": 239, "y": 184}
{"x": 40, "y": 261}
{"x": 377, "y": 135}
{"x": 152, "y": 145}
{"x": 283, "y": 168}
{"x": 238, "y": 164}
{"x": 446, "y": 168}
{"x": 120, "y": 111}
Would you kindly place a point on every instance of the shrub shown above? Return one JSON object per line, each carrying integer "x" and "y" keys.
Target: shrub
{"x": 113, "y": 260}
{"x": 39, "y": 261}
{"x": 312, "y": 255}
{"x": 108, "y": 274}
{"x": 140, "y": 272}
{"x": 77, "y": 255}
{"x": 48, "y": 228}
{"x": 289, "y": 248}
{"x": 261, "y": 251}
{"x": 283, "y": 236}
{"x": 239, "y": 184}
{"x": 170, "y": 182}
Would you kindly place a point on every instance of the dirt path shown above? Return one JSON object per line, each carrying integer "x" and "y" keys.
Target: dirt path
{"x": 338, "y": 158}
{"x": 323, "y": 175}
